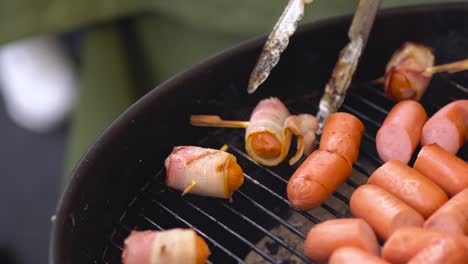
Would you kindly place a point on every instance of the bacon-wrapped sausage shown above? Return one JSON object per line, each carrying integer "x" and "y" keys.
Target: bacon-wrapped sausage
{"x": 266, "y": 140}
{"x": 165, "y": 247}
{"x": 304, "y": 126}
{"x": 203, "y": 171}
{"x": 404, "y": 78}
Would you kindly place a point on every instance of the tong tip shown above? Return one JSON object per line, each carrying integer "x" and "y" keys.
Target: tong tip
{"x": 276, "y": 43}
{"x": 256, "y": 79}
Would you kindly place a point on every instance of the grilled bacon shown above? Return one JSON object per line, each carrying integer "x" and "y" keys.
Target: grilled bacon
{"x": 203, "y": 171}
{"x": 404, "y": 76}
{"x": 174, "y": 246}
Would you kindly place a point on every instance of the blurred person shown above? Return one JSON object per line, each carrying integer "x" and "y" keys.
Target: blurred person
{"x": 38, "y": 81}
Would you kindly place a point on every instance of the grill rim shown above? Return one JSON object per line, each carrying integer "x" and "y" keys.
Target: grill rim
{"x": 80, "y": 176}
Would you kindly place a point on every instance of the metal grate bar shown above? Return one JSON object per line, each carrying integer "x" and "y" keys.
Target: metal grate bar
{"x": 360, "y": 115}
{"x": 332, "y": 210}
{"x": 213, "y": 219}
{"x": 463, "y": 89}
{"x": 305, "y": 214}
{"x": 376, "y": 90}
{"x": 352, "y": 183}
{"x": 115, "y": 244}
{"x": 369, "y": 103}
{"x": 175, "y": 215}
{"x": 273, "y": 215}
{"x": 359, "y": 167}
{"x": 373, "y": 158}
{"x": 369, "y": 137}
{"x": 341, "y": 197}
{"x": 150, "y": 221}
{"x": 269, "y": 234}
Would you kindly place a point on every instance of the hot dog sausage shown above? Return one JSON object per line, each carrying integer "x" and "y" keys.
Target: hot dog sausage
{"x": 382, "y": 211}
{"x": 448, "y": 127}
{"x": 445, "y": 169}
{"x": 400, "y": 133}
{"x": 265, "y": 139}
{"x": 342, "y": 133}
{"x": 317, "y": 177}
{"x": 442, "y": 251}
{"x": 171, "y": 246}
{"x": 410, "y": 186}
{"x": 352, "y": 255}
{"x": 403, "y": 75}
{"x": 203, "y": 171}
{"x": 406, "y": 242}
{"x": 326, "y": 237}
{"x": 452, "y": 217}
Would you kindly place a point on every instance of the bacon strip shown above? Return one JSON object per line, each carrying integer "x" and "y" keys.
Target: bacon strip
{"x": 304, "y": 126}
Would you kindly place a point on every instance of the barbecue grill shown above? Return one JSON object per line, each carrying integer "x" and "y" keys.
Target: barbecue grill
{"x": 118, "y": 185}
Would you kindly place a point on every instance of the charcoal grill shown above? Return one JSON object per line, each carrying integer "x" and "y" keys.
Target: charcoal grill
{"x": 118, "y": 185}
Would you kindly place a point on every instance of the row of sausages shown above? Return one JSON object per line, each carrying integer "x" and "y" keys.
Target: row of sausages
{"x": 409, "y": 211}
{"x": 397, "y": 195}
{"x": 409, "y": 208}
{"x": 352, "y": 240}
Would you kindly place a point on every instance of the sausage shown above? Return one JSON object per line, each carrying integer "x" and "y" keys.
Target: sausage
{"x": 382, "y": 211}
{"x": 404, "y": 77}
{"x": 445, "y": 169}
{"x": 352, "y": 255}
{"x": 442, "y": 251}
{"x": 265, "y": 139}
{"x": 448, "y": 127}
{"x": 317, "y": 177}
{"x": 304, "y": 126}
{"x": 171, "y": 246}
{"x": 406, "y": 242}
{"x": 452, "y": 217}
{"x": 203, "y": 171}
{"x": 410, "y": 186}
{"x": 326, "y": 237}
{"x": 401, "y": 131}
{"x": 342, "y": 133}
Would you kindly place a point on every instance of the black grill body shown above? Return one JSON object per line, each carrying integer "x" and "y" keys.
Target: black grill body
{"x": 119, "y": 186}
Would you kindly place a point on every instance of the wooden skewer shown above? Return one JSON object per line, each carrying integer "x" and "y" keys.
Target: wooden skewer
{"x": 224, "y": 148}
{"x": 449, "y": 67}
{"x": 216, "y": 121}
{"x": 189, "y": 188}
{"x": 452, "y": 67}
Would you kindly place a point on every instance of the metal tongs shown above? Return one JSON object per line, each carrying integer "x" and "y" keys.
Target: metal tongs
{"x": 335, "y": 90}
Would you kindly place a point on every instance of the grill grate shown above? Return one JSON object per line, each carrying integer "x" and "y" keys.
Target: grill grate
{"x": 250, "y": 223}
